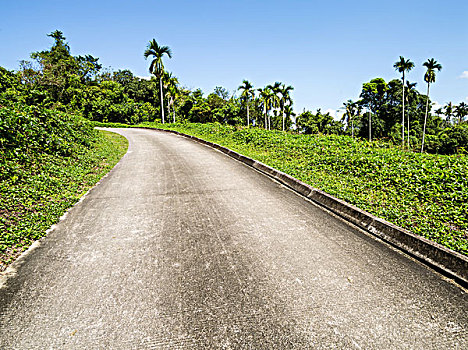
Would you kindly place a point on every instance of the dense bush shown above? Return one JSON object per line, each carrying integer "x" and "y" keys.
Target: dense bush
{"x": 48, "y": 160}
{"x": 25, "y": 129}
{"x": 451, "y": 140}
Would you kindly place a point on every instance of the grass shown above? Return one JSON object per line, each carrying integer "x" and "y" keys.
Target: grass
{"x": 38, "y": 181}
{"x": 424, "y": 193}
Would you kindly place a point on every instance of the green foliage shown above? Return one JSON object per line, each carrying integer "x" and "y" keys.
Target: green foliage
{"x": 30, "y": 129}
{"x": 384, "y": 100}
{"x": 424, "y": 193}
{"x": 318, "y": 123}
{"x": 48, "y": 160}
{"x": 453, "y": 139}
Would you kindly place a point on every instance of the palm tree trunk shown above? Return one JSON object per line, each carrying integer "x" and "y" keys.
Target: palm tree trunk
{"x": 173, "y": 112}
{"x": 370, "y": 127}
{"x": 407, "y": 129}
{"x": 403, "y": 116}
{"x": 282, "y": 112}
{"x": 264, "y": 109}
{"x": 425, "y": 118}
{"x": 248, "y": 120}
{"x": 162, "y": 101}
{"x": 352, "y": 128}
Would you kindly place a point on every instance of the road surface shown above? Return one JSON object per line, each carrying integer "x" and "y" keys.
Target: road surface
{"x": 181, "y": 247}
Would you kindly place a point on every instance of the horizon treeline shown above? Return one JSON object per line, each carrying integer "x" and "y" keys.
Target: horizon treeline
{"x": 55, "y": 79}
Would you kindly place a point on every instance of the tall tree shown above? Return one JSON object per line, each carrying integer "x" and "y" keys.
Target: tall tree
{"x": 267, "y": 97}
{"x": 449, "y": 111}
{"x": 247, "y": 92}
{"x": 285, "y": 99}
{"x": 289, "y": 113}
{"x": 274, "y": 99}
{"x": 58, "y": 68}
{"x": 403, "y": 66}
{"x": 157, "y": 66}
{"x": 373, "y": 96}
{"x": 431, "y": 66}
{"x": 461, "y": 111}
{"x": 170, "y": 84}
{"x": 352, "y": 110}
{"x": 410, "y": 87}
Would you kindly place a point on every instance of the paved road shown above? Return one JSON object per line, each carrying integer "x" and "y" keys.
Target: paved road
{"x": 183, "y": 247}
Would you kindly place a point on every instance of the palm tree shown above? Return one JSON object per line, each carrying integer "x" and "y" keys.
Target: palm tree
{"x": 268, "y": 98}
{"x": 170, "y": 84}
{"x": 246, "y": 93}
{"x": 172, "y": 92}
{"x": 157, "y": 67}
{"x": 431, "y": 65}
{"x": 285, "y": 99}
{"x": 263, "y": 99}
{"x": 288, "y": 111}
{"x": 410, "y": 87}
{"x": 461, "y": 111}
{"x": 370, "y": 125}
{"x": 449, "y": 111}
{"x": 352, "y": 110}
{"x": 274, "y": 99}
{"x": 403, "y": 66}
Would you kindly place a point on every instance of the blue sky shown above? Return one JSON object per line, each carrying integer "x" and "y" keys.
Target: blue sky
{"x": 325, "y": 49}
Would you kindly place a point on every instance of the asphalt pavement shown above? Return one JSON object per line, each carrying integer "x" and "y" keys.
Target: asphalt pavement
{"x": 182, "y": 247}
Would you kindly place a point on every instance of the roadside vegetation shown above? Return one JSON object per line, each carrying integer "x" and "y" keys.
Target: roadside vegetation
{"x": 390, "y": 153}
{"x": 394, "y": 111}
{"x": 48, "y": 161}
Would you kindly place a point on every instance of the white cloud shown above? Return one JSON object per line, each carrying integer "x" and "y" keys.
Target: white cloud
{"x": 464, "y": 75}
{"x": 145, "y": 78}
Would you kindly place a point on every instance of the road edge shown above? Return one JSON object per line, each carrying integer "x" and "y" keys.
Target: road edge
{"x": 448, "y": 262}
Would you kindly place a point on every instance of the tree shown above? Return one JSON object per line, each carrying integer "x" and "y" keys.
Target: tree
{"x": 273, "y": 99}
{"x": 410, "y": 87}
{"x": 449, "y": 111}
{"x": 157, "y": 66}
{"x": 285, "y": 99}
{"x": 403, "y": 66}
{"x": 88, "y": 67}
{"x": 431, "y": 65}
{"x": 170, "y": 84}
{"x": 288, "y": 111}
{"x": 352, "y": 110}
{"x": 247, "y": 92}
{"x": 373, "y": 96}
{"x": 264, "y": 97}
{"x": 461, "y": 111}
{"x": 221, "y": 92}
{"x": 58, "y": 70}
{"x": 310, "y": 123}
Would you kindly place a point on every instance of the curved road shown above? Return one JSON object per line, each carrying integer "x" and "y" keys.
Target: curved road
{"x": 181, "y": 246}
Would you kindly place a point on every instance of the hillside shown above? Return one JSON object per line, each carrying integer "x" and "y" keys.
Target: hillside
{"x": 48, "y": 160}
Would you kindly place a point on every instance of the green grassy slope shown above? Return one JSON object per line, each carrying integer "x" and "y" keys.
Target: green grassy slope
{"x": 424, "y": 193}
{"x": 48, "y": 160}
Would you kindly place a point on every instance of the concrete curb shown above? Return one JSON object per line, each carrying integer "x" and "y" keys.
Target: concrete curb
{"x": 446, "y": 261}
